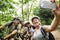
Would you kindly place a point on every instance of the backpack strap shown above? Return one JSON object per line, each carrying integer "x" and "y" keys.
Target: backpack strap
{"x": 44, "y": 33}
{"x": 51, "y": 36}
{"x": 16, "y": 27}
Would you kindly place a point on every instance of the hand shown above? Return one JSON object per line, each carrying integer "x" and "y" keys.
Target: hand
{"x": 57, "y": 11}
{"x": 4, "y": 38}
{"x": 52, "y": 0}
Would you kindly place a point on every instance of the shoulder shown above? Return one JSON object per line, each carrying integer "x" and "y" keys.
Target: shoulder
{"x": 8, "y": 23}
{"x": 47, "y": 28}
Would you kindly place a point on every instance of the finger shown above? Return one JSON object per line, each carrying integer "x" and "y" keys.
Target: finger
{"x": 58, "y": 6}
{"x": 54, "y": 12}
{"x": 4, "y": 38}
{"x": 52, "y": 0}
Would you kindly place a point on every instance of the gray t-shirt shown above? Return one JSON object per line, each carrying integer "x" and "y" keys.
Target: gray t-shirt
{"x": 38, "y": 35}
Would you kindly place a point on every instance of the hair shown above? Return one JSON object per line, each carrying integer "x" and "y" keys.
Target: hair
{"x": 17, "y": 19}
{"x": 35, "y": 18}
{"x": 26, "y": 24}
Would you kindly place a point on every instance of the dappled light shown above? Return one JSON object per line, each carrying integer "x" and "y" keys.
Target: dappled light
{"x": 19, "y": 11}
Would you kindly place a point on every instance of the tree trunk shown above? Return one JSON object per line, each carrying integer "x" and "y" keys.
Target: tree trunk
{"x": 22, "y": 11}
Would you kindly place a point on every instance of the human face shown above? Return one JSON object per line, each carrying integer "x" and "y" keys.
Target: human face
{"x": 28, "y": 25}
{"x": 36, "y": 22}
{"x": 16, "y": 22}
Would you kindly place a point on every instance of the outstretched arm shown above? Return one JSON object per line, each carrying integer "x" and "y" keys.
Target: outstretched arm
{"x": 53, "y": 25}
{"x": 56, "y": 19}
{"x": 11, "y": 34}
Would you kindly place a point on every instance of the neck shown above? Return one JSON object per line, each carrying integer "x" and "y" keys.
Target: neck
{"x": 38, "y": 27}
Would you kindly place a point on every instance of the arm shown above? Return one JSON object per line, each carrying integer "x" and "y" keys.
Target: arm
{"x": 5, "y": 25}
{"x": 1, "y": 27}
{"x": 11, "y": 34}
{"x": 56, "y": 19}
{"x": 54, "y": 24}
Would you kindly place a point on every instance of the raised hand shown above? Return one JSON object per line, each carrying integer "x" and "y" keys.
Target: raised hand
{"x": 57, "y": 11}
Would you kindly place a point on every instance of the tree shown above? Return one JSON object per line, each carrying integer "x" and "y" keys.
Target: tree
{"x": 45, "y": 15}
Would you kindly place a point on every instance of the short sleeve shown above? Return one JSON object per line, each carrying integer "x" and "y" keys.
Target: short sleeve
{"x": 8, "y": 24}
{"x": 43, "y": 27}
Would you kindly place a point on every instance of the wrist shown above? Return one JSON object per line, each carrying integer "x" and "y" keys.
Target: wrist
{"x": 57, "y": 18}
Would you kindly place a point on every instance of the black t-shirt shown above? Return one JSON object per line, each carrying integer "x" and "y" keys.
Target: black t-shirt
{"x": 11, "y": 27}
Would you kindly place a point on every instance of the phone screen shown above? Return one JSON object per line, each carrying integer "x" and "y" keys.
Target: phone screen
{"x": 47, "y": 4}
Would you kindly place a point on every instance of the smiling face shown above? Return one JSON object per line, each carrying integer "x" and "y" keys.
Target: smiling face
{"x": 36, "y": 22}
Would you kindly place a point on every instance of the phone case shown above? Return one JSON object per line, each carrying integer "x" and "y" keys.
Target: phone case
{"x": 47, "y": 4}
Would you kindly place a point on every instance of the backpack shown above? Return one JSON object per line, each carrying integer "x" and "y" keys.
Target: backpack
{"x": 47, "y": 35}
{"x": 51, "y": 36}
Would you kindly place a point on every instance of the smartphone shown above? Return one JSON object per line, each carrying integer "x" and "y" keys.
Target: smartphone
{"x": 47, "y": 4}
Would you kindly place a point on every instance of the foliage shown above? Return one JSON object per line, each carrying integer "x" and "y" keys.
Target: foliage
{"x": 24, "y": 9}
{"x": 45, "y": 15}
